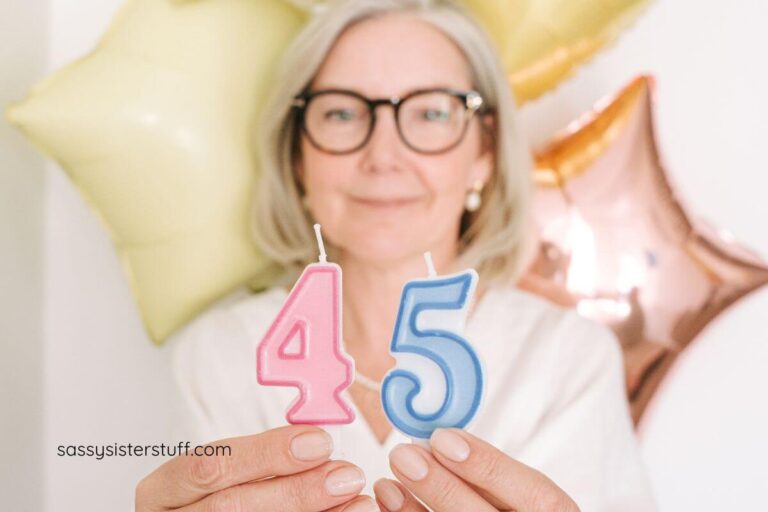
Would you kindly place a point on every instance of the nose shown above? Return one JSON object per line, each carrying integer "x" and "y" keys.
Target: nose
{"x": 384, "y": 149}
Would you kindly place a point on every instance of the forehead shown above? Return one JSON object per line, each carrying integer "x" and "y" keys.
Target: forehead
{"x": 391, "y": 55}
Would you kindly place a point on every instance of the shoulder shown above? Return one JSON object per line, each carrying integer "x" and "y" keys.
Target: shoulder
{"x": 585, "y": 358}
{"x": 213, "y": 366}
{"x": 228, "y": 329}
{"x": 241, "y": 312}
{"x": 539, "y": 358}
{"x": 570, "y": 338}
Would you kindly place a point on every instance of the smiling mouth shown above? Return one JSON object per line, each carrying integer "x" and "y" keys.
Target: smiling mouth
{"x": 385, "y": 203}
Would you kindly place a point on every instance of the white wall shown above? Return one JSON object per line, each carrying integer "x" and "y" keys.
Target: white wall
{"x": 704, "y": 438}
{"x": 105, "y": 382}
{"x": 23, "y": 49}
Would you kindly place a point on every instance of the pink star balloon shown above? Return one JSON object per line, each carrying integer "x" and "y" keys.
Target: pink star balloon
{"x": 617, "y": 244}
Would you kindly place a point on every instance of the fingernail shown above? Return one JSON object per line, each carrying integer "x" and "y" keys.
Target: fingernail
{"x": 409, "y": 462}
{"x": 312, "y": 446}
{"x": 345, "y": 480}
{"x": 366, "y": 505}
{"x": 450, "y": 445}
{"x": 389, "y": 495}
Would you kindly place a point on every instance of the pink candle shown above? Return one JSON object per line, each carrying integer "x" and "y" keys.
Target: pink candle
{"x": 310, "y": 320}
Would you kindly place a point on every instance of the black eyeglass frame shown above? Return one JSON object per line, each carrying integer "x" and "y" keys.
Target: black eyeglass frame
{"x": 472, "y": 100}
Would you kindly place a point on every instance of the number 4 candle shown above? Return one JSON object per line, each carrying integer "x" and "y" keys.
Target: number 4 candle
{"x": 438, "y": 378}
{"x": 319, "y": 368}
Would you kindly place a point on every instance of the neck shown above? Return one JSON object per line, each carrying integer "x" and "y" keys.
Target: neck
{"x": 372, "y": 291}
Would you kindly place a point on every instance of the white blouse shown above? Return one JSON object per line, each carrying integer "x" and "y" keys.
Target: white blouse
{"x": 554, "y": 400}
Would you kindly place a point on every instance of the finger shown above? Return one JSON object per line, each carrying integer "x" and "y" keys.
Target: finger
{"x": 328, "y": 486}
{"x": 394, "y": 497}
{"x": 187, "y": 479}
{"x": 361, "y": 504}
{"x": 503, "y": 480}
{"x": 433, "y": 484}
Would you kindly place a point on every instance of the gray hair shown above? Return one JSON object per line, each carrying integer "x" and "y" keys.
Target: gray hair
{"x": 492, "y": 239}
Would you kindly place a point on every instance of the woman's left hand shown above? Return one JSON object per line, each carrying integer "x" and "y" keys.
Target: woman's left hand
{"x": 464, "y": 473}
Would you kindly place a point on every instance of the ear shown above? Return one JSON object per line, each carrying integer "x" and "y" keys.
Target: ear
{"x": 483, "y": 166}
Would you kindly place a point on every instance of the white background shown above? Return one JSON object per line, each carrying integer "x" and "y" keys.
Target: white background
{"x": 77, "y": 367}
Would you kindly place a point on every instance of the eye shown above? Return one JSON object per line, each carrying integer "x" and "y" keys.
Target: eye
{"x": 340, "y": 115}
{"x": 435, "y": 115}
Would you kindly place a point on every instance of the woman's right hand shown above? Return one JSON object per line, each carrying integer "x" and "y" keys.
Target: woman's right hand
{"x": 285, "y": 469}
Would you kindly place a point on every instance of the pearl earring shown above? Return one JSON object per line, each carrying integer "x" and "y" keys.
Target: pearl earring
{"x": 473, "y": 201}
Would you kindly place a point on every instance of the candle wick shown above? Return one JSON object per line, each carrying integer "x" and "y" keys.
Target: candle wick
{"x": 323, "y": 256}
{"x": 431, "y": 272}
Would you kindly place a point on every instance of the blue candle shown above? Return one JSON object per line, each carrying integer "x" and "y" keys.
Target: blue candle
{"x": 438, "y": 379}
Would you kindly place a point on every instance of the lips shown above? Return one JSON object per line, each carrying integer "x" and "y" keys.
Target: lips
{"x": 385, "y": 202}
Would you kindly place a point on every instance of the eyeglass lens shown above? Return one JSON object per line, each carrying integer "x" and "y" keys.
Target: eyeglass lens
{"x": 429, "y": 122}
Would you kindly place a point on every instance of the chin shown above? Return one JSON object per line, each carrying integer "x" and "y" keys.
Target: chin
{"x": 383, "y": 244}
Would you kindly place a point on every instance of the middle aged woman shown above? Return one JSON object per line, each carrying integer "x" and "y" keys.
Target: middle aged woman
{"x": 392, "y": 125}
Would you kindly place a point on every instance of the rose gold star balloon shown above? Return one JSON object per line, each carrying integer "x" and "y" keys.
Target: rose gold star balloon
{"x": 617, "y": 245}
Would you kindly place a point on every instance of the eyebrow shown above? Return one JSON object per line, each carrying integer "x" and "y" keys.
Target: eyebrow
{"x": 433, "y": 85}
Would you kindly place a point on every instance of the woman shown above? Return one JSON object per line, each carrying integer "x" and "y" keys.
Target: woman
{"x": 391, "y": 125}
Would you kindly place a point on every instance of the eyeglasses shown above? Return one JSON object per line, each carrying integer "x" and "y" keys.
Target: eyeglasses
{"x": 429, "y": 121}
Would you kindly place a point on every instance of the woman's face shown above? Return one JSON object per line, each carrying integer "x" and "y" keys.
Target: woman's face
{"x": 386, "y": 202}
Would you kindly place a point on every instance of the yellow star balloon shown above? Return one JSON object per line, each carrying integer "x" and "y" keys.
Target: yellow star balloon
{"x": 542, "y": 42}
{"x": 154, "y": 127}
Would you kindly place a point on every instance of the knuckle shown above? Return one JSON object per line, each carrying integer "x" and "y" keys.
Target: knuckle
{"x": 140, "y": 495}
{"x": 489, "y": 471}
{"x": 550, "y": 499}
{"x": 298, "y": 490}
{"x": 446, "y": 491}
{"x": 207, "y": 472}
{"x": 228, "y": 500}
{"x": 355, "y": 505}
{"x": 271, "y": 451}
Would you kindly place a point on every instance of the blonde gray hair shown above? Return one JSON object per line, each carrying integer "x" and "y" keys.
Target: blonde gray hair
{"x": 492, "y": 239}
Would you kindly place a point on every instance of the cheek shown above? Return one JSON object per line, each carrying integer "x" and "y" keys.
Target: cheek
{"x": 450, "y": 176}
{"x": 317, "y": 176}
{"x": 324, "y": 181}
{"x": 448, "y": 192}
{"x": 324, "y": 204}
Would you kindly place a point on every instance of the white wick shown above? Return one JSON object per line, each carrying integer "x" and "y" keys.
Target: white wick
{"x": 323, "y": 256}
{"x": 430, "y": 264}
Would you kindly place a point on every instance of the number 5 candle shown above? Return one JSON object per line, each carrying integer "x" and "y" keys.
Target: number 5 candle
{"x": 319, "y": 368}
{"x": 438, "y": 378}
